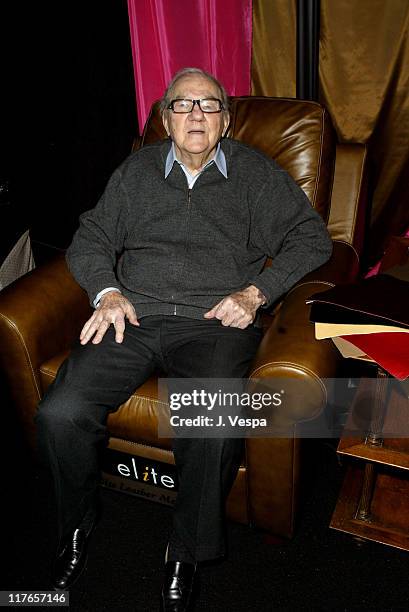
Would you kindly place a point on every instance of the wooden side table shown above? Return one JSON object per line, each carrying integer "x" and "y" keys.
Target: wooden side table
{"x": 374, "y": 499}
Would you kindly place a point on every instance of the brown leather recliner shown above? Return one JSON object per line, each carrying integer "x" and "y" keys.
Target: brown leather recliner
{"x": 43, "y": 312}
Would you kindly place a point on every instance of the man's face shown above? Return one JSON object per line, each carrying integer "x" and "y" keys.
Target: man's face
{"x": 195, "y": 133}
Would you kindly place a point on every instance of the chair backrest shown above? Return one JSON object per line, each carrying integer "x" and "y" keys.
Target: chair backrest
{"x": 298, "y": 134}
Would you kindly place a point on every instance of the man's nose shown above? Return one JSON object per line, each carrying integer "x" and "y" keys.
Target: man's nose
{"x": 196, "y": 112}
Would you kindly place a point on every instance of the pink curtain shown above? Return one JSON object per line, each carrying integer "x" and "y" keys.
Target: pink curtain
{"x": 214, "y": 35}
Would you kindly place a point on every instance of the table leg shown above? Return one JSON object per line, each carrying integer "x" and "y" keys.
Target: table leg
{"x": 374, "y": 435}
{"x": 373, "y": 438}
{"x": 363, "y": 512}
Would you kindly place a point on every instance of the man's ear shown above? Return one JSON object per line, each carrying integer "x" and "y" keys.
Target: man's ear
{"x": 165, "y": 122}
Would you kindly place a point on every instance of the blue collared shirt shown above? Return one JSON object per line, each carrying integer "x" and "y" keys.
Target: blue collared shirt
{"x": 219, "y": 159}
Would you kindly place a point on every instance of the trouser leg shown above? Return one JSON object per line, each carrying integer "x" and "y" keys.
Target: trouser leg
{"x": 71, "y": 419}
{"x": 207, "y": 467}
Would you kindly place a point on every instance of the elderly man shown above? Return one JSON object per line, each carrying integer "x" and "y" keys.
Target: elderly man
{"x": 172, "y": 258}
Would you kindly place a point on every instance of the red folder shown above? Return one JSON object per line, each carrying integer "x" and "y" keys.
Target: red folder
{"x": 389, "y": 350}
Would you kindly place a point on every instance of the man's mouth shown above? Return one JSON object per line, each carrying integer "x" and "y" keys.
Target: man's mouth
{"x": 196, "y": 131}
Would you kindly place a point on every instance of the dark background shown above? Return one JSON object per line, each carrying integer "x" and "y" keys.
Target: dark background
{"x": 67, "y": 119}
{"x": 68, "y": 113}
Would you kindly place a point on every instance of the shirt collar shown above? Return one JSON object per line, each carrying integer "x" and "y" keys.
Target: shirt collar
{"x": 219, "y": 159}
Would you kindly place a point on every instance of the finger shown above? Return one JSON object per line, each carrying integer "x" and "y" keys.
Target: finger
{"x": 102, "y": 327}
{"x": 210, "y": 314}
{"x": 87, "y": 325}
{"x": 228, "y": 319}
{"x": 131, "y": 315}
{"x": 119, "y": 325}
{"x": 243, "y": 322}
{"x": 85, "y": 337}
{"x": 220, "y": 311}
{"x": 232, "y": 314}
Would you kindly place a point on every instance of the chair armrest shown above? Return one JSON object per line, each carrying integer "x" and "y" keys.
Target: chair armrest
{"x": 289, "y": 348}
{"x": 350, "y": 198}
{"x": 40, "y": 314}
{"x": 288, "y": 351}
{"x": 342, "y": 267}
{"x": 46, "y": 308}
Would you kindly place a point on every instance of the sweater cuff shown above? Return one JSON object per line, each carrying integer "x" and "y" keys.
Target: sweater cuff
{"x": 102, "y": 293}
{"x": 99, "y": 284}
{"x": 272, "y": 290}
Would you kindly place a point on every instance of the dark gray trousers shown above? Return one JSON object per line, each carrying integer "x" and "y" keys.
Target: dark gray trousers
{"x": 96, "y": 379}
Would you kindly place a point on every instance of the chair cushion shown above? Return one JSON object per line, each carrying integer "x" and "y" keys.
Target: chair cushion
{"x": 136, "y": 419}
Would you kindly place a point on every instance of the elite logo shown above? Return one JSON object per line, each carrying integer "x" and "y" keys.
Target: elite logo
{"x": 138, "y": 469}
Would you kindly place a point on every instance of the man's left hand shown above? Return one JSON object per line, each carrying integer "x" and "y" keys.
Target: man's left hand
{"x": 238, "y": 309}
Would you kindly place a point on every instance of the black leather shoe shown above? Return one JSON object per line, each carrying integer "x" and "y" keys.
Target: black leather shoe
{"x": 70, "y": 560}
{"x": 177, "y": 587}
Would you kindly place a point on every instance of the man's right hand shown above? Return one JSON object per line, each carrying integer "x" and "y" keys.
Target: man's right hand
{"x": 112, "y": 310}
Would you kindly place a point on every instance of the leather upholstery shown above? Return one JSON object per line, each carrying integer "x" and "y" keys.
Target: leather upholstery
{"x": 41, "y": 314}
{"x": 347, "y": 219}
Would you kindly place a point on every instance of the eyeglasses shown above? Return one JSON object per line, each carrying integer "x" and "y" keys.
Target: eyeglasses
{"x": 207, "y": 105}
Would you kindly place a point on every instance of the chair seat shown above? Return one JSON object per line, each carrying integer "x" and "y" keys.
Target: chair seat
{"x": 133, "y": 430}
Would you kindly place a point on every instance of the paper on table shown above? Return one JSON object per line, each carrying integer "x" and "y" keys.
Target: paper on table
{"x": 350, "y": 350}
{"x": 330, "y": 330}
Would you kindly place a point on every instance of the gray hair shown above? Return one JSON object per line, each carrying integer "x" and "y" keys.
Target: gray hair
{"x": 168, "y": 95}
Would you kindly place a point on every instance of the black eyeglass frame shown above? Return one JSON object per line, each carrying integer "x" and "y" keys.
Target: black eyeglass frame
{"x": 171, "y": 106}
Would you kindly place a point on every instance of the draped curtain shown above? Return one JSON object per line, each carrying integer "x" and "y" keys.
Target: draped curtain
{"x": 273, "y": 69}
{"x": 208, "y": 34}
{"x": 364, "y": 77}
{"x": 364, "y": 82}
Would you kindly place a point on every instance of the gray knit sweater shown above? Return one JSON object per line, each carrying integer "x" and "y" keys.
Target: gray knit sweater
{"x": 172, "y": 250}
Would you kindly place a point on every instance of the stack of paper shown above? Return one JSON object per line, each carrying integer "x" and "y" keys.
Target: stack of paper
{"x": 367, "y": 320}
